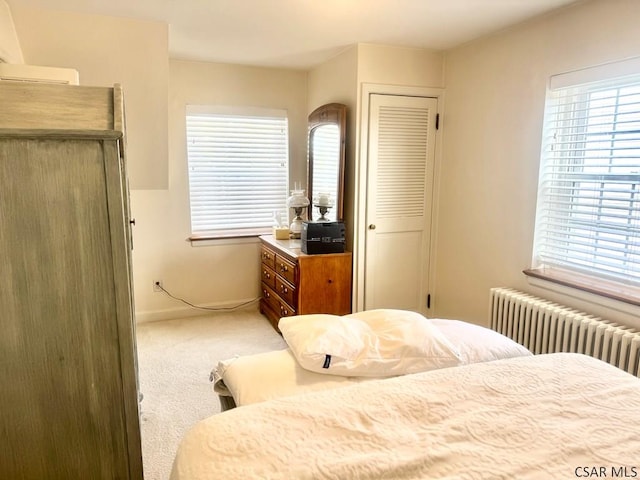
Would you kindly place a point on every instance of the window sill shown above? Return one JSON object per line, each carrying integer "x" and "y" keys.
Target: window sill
{"x": 602, "y": 288}
{"x": 229, "y": 238}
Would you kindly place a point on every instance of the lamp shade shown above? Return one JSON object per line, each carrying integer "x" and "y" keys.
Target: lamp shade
{"x": 323, "y": 200}
{"x": 297, "y": 199}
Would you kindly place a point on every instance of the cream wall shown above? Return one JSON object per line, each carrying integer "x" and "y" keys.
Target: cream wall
{"x": 492, "y": 122}
{"x": 10, "y": 50}
{"x": 340, "y": 80}
{"x": 495, "y": 91}
{"x": 107, "y": 50}
{"x": 336, "y": 81}
{"x": 395, "y": 71}
{"x": 216, "y": 274}
{"x": 391, "y": 65}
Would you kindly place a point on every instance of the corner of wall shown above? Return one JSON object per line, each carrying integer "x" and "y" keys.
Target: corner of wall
{"x": 10, "y": 51}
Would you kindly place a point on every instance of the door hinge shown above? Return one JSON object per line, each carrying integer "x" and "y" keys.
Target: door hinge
{"x": 428, "y": 300}
{"x": 437, "y": 121}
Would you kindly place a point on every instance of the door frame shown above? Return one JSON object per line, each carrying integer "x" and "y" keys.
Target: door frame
{"x": 360, "y": 188}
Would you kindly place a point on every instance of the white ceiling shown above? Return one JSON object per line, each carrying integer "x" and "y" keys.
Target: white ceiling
{"x": 303, "y": 33}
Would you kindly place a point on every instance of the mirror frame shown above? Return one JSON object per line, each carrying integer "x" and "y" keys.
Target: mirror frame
{"x": 336, "y": 114}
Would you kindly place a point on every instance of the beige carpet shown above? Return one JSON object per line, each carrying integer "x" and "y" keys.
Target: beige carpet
{"x": 175, "y": 358}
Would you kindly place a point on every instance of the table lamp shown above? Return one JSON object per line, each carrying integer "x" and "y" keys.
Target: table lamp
{"x": 297, "y": 201}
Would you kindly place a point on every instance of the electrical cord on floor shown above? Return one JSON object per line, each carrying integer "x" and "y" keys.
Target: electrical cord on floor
{"x": 214, "y": 309}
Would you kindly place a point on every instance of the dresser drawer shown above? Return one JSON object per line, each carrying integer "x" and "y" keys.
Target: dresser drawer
{"x": 286, "y": 310}
{"x": 268, "y": 257}
{"x": 285, "y": 291}
{"x": 268, "y": 275}
{"x": 281, "y": 307}
{"x": 270, "y": 297}
{"x": 286, "y": 269}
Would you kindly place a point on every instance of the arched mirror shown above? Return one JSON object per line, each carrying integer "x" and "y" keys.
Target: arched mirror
{"x": 327, "y": 125}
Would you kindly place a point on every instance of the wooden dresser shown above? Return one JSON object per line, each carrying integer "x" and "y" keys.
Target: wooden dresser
{"x": 294, "y": 283}
{"x": 68, "y": 394}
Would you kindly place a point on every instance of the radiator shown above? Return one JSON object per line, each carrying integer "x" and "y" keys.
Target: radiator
{"x": 547, "y": 327}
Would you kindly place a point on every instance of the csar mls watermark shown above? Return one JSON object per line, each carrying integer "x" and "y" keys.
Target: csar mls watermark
{"x": 606, "y": 472}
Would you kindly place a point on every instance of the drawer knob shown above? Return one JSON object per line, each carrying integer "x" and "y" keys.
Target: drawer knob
{"x": 283, "y": 267}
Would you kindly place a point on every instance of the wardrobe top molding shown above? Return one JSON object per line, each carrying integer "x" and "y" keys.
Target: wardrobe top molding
{"x": 44, "y": 107}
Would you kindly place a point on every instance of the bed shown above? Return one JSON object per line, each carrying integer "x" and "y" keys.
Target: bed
{"x": 560, "y": 415}
{"x": 250, "y": 379}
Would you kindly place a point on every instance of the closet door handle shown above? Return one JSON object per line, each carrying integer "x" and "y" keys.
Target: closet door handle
{"x": 372, "y": 226}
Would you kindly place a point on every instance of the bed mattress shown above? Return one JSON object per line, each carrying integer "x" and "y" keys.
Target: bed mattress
{"x": 255, "y": 378}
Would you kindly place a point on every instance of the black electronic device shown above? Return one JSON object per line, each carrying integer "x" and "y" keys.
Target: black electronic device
{"x": 322, "y": 237}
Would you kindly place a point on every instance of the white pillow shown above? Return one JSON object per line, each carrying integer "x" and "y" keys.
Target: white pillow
{"x": 478, "y": 344}
{"x": 375, "y": 343}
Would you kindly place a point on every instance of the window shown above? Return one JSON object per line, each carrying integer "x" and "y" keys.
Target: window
{"x": 238, "y": 170}
{"x": 588, "y": 218}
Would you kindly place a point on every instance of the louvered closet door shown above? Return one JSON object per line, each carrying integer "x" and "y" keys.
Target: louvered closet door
{"x": 399, "y": 201}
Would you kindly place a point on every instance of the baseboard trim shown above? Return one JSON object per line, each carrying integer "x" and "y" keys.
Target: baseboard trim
{"x": 187, "y": 312}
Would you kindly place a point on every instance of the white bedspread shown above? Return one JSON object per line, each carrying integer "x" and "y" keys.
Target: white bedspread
{"x": 542, "y": 417}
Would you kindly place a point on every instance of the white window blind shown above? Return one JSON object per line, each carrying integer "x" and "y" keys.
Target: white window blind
{"x": 588, "y": 218}
{"x": 238, "y": 169}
